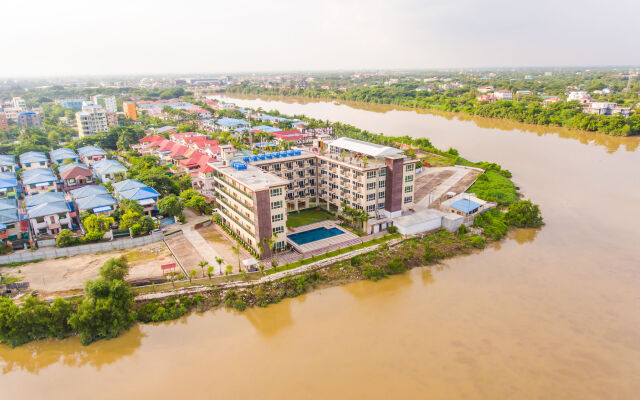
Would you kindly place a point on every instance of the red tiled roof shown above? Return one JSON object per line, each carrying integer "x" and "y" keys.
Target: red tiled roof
{"x": 75, "y": 172}
{"x": 151, "y": 138}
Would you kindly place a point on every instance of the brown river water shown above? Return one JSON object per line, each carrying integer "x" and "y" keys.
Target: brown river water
{"x": 548, "y": 314}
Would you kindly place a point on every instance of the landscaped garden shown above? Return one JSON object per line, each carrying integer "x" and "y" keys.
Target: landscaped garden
{"x": 299, "y": 218}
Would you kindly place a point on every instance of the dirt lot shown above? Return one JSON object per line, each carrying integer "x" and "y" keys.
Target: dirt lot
{"x": 221, "y": 245}
{"x": 440, "y": 180}
{"x": 184, "y": 251}
{"x": 65, "y": 275}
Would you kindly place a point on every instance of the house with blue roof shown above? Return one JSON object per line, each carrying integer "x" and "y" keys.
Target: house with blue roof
{"x": 467, "y": 205}
{"x": 132, "y": 189}
{"x": 34, "y": 159}
{"x": 10, "y": 228}
{"x": 91, "y": 154}
{"x": 8, "y": 163}
{"x": 61, "y": 155}
{"x": 274, "y": 118}
{"x": 266, "y": 128}
{"x": 107, "y": 170}
{"x": 39, "y": 180}
{"x": 48, "y": 214}
{"x": 94, "y": 199}
{"x": 8, "y": 185}
{"x": 227, "y": 124}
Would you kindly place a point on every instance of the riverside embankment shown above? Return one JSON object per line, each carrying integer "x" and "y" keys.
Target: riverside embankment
{"x": 552, "y": 313}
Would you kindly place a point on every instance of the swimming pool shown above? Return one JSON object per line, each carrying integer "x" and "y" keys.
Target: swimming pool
{"x": 314, "y": 235}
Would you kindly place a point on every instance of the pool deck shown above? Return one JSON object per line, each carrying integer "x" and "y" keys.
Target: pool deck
{"x": 320, "y": 246}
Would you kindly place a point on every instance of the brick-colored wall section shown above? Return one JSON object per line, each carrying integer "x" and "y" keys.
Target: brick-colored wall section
{"x": 263, "y": 214}
{"x": 393, "y": 195}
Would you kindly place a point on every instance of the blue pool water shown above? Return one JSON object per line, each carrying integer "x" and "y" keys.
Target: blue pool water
{"x": 314, "y": 234}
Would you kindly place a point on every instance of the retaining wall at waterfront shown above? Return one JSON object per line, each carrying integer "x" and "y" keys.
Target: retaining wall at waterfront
{"x": 268, "y": 278}
{"x": 82, "y": 249}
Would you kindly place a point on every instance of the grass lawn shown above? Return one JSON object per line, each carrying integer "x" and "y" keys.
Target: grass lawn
{"x": 334, "y": 253}
{"x": 307, "y": 217}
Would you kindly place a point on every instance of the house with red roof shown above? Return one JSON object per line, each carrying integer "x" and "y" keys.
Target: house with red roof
{"x": 75, "y": 175}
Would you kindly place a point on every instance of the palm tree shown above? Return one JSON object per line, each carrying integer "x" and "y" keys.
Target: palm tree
{"x": 203, "y": 264}
{"x": 192, "y": 274}
{"x": 236, "y": 250}
{"x": 219, "y": 261}
{"x": 274, "y": 264}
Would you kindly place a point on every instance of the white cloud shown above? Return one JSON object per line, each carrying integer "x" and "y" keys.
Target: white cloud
{"x": 129, "y": 37}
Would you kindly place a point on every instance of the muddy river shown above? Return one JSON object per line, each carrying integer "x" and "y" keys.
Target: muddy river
{"x": 549, "y": 314}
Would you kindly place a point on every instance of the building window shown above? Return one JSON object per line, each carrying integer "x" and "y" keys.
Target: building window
{"x": 279, "y": 245}
{"x": 371, "y": 174}
{"x": 408, "y": 178}
{"x": 371, "y": 197}
{"x": 408, "y": 199}
{"x": 276, "y": 204}
{"x": 371, "y": 185}
{"x": 40, "y": 220}
{"x": 409, "y": 167}
{"x": 278, "y": 229}
{"x": 276, "y": 192}
{"x": 371, "y": 207}
{"x": 408, "y": 189}
{"x": 277, "y": 217}
{"x": 381, "y": 195}
{"x": 380, "y": 205}
{"x": 382, "y": 184}
{"x": 383, "y": 171}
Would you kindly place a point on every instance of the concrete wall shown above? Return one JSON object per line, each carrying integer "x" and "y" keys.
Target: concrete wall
{"x": 83, "y": 249}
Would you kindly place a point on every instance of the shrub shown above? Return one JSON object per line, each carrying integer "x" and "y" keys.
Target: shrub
{"x": 373, "y": 272}
{"x": 493, "y": 186}
{"x": 477, "y": 241}
{"x": 239, "y": 305}
{"x": 492, "y": 223}
{"x": 66, "y": 239}
{"x": 524, "y": 214}
{"x": 392, "y": 229}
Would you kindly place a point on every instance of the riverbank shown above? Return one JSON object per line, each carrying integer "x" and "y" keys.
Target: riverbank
{"x": 556, "y": 115}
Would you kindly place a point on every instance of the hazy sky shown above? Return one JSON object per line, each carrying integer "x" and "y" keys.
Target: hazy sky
{"x": 67, "y": 37}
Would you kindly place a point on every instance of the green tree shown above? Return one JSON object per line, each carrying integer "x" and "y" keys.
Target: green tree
{"x": 170, "y": 205}
{"x": 203, "y": 264}
{"x": 184, "y": 182}
{"x": 524, "y": 214}
{"x": 192, "y": 274}
{"x": 210, "y": 271}
{"x": 228, "y": 269}
{"x": 96, "y": 226}
{"x": 107, "y": 308}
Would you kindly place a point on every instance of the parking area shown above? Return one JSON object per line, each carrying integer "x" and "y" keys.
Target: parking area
{"x": 434, "y": 183}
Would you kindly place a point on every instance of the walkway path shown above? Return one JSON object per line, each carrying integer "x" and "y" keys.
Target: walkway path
{"x": 203, "y": 247}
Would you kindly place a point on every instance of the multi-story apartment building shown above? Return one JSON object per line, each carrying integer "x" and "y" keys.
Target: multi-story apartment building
{"x": 363, "y": 176}
{"x": 91, "y": 120}
{"x": 255, "y": 193}
{"x": 29, "y": 119}
{"x": 129, "y": 108}
{"x": 106, "y": 102}
{"x": 4, "y": 124}
{"x": 251, "y": 203}
{"x": 18, "y": 102}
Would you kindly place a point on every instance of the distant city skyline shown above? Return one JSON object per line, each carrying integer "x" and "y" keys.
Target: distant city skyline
{"x": 71, "y": 38}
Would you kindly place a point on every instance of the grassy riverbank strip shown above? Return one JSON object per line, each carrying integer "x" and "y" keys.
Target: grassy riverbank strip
{"x": 561, "y": 114}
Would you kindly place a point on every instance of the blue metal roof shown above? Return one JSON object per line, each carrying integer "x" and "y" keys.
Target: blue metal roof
{"x": 231, "y": 122}
{"x": 466, "y": 206}
{"x": 86, "y": 191}
{"x": 95, "y": 201}
{"x": 43, "y": 198}
{"x": 62, "y": 154}
{"x": 38, "y": 175}
{"x": 33, "y": 157}
{"x": 90, "y": 151}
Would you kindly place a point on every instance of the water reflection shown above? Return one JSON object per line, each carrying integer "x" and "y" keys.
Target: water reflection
{"x": 611, "y": 143}
{"x": 523, "y": 236}
{"x": 268, "y": 321}
{"x": 36, "y": 356}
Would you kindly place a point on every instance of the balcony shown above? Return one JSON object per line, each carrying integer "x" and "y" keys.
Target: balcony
{"x": 223, "y": 211}
{"x": 225, "y": 183}
{"x": 223, "y": 190}
{"x": 236, "y": 211}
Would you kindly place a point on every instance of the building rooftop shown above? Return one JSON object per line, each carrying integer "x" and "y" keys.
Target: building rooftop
{"x": 50, "y": 208}
{"x": 466, "y": 205}
{"x": 366, "y": 148}
{"x": 38, "y": 175}
{"x": 91, "y": 151}
{"x": 7, "y": 160}
{"x": 90, "y": 190}
{"x": 62, "y": 154}
{"x": 8, "y": 180}
{"x": 8, "y": 211}
{"x": 43, "y": 198}
{"x": 108, "y": 167}
{"x": 253, "y": 177}
{"x": 95, "y": 202}
{"x": 33, "y": 157}
{"x": 74, "y": 170}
